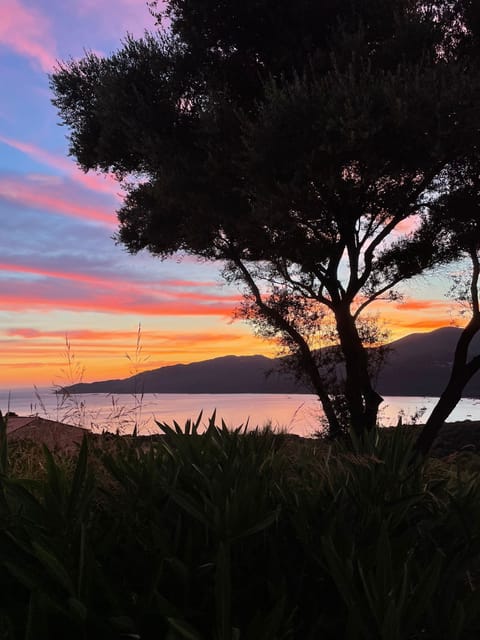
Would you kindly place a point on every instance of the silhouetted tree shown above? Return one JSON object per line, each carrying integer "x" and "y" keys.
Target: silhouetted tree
{"x": 289, "y": 140}
{"x": 457, "y": 213}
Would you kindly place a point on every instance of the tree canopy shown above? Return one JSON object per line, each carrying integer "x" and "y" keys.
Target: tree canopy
{"x": 293, "y": 141}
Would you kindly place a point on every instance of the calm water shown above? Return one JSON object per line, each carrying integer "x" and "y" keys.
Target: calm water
{"x": 298, "y": 414}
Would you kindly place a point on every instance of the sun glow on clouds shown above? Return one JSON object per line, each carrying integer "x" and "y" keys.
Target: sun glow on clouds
{"x": 45, "y": 295}
{"x": 417, "y": 315}
{"x": 60, "y": 271}
{"x": 103, "y": 353}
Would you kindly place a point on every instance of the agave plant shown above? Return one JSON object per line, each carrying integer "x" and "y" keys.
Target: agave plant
{"x": 236, "y": 534}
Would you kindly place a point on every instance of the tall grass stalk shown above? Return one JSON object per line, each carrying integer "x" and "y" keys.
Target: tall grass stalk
{"x": 71, "y": 408}
{"x": 137, "y": 361}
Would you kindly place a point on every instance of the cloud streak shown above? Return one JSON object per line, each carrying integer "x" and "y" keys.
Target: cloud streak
{"x": 98, "y": 183}
{"x": 422, "y": 305}
{"x": 18, "y": 295}
{"x": 27, "y": 32}
{"x": 46, "y": 197}
{"x": 53, "y": 290}
{"x": 114, "y": 279}
{"x": 151, "y": 338}
{"x": 104, "y": 351}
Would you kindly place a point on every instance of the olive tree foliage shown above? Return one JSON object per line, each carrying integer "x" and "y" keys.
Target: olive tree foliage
{"x": 294, "y": 142}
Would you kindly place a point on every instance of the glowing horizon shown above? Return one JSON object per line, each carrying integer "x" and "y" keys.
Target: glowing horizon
{"x": 39, "y": 356}
{"x": 60, "y": 271}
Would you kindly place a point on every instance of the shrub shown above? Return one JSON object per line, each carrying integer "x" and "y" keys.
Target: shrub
{"x": 230, "y": 534}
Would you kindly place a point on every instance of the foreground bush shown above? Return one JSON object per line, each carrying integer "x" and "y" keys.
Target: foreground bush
{"x": 231, "y": 535}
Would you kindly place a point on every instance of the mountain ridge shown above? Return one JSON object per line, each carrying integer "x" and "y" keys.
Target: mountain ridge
{"x": 416, "y": 365}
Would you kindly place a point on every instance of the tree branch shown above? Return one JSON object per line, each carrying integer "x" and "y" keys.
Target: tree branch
{"x": 306, "y": 354}
{"x": 374, "y": 296}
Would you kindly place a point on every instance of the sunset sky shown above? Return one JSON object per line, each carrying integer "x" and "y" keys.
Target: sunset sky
{"x": 60, "y": 271}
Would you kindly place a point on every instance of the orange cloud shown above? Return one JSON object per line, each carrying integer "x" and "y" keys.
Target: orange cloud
{"x": 27, "y": 32}
{"x": 428, "y": 324}
{"x": 413, "y": 315}
{"x": 30, "y": 365}
{"x": 28, "y": 299}
{"x": 95, "y": 293}
{"x": 92, "y": 335}
{"x": 102, "y": 352}
{"x": 421, "y": 305}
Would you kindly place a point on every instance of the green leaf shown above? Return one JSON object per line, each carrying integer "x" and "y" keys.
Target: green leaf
{"x": 54, "y": 567}
{"x": 223, "y": 592}
{"x": 191, "y": 507}
{"x": 35, "y": 624}
{"x": 78, "y": 609}
{"x": 184, "y": 629}
{"x": 55, "y": 486}
{"x": 27, "y": 578}
{"x": 122, "y": 624}
{"x": 25, "y": 501}
{"x": 259, "y": 526}
{"x": 427, "y": 585}
{"x": 79, "y": 479}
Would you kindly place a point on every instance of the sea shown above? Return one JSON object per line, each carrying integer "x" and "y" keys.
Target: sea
{"x": 299, "y": 414}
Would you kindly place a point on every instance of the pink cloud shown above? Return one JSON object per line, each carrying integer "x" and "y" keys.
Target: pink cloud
{"x": 30, "y": 300}
{"x": 117, "y": 17}
{"x": 118, "y": 282}
{"x": 52, "y": 295}
{"x": 27, "y": 32}
{"x": 24, "y": 333}
{"x": 148, "y": 337}
{"x": 102, "y": 184}
{"x": 63, "y": 275}
{"x": 47, "y": 198}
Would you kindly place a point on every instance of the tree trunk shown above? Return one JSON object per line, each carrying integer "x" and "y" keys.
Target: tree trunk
{"x": 308, "y": 361}
{"x": 311, "y": 370}
{"x": 462, "y": 372}
{"x": 362, "y": 400}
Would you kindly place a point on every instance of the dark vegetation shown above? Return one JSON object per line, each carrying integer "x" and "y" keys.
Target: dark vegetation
{"x": 228, "y": 535}
{"x": 298, "y": 143}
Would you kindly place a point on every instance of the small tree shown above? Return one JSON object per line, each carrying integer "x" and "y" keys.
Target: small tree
{"x": 306, "y": 336}
{"x": 288, "y": 140}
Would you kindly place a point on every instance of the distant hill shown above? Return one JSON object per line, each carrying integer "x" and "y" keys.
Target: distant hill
{"x": 228, "y": 374}
{"x": 420, "y": 363}
{"x": 417, "y": 365}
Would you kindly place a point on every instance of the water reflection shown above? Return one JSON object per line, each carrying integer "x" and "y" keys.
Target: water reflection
{"x": 299, "y": 414}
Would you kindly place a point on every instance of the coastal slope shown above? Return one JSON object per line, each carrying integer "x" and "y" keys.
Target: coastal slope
{"x": 416, "y": 365}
